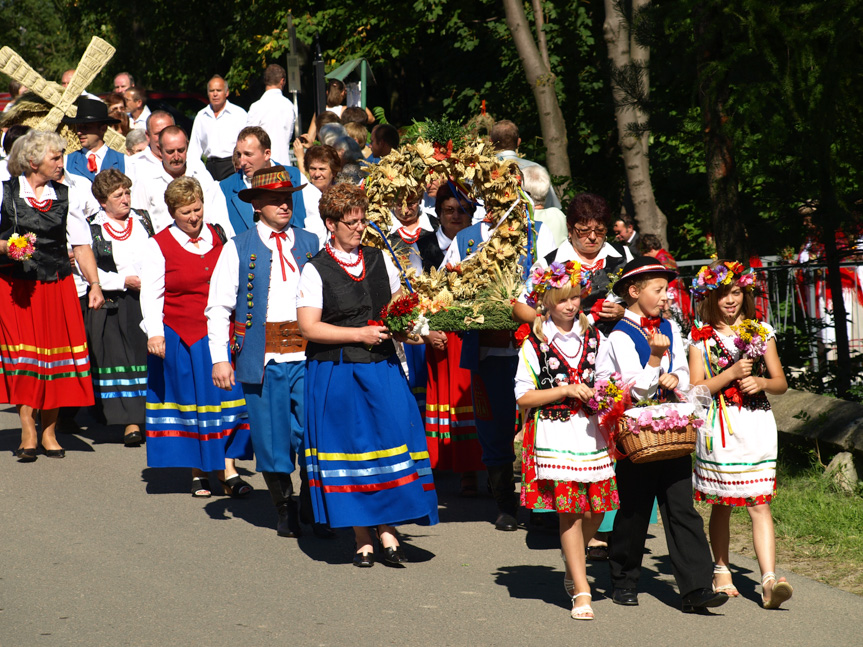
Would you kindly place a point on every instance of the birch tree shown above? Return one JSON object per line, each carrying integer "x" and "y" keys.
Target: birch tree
{"x": 533, "y": 53}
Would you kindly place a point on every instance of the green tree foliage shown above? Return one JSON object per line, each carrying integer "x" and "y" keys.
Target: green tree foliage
{"x": 36, "y": 29}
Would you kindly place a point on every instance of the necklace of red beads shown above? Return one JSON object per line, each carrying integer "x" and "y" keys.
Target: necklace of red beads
{"x": 409, "y": 239}
{"x": 560, "y": 350}
{"x": 119, "y": 235}
{"x": 345, "y": 265}
{"x": 40, "y": 205}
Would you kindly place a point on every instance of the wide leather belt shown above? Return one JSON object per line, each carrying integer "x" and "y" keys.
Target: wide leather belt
{"x": 284, "y": 337}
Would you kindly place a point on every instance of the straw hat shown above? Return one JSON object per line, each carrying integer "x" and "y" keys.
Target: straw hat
{"x": 267, "y": 181}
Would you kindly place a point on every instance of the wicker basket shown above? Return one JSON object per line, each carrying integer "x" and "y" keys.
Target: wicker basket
{"x": 649, "y": 445}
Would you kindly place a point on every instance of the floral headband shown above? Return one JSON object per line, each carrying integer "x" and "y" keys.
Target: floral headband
{"x": 711, "y": 278}
{"x": 556, "y": 275}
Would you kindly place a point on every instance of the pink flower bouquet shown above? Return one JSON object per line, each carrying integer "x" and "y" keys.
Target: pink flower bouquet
{"x": 21, "y": 246}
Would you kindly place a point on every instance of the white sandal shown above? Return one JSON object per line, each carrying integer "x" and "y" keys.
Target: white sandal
{"x": 584, "y": 611}
{"x": 782, "y": 591}
{"x": 728, "y": 589}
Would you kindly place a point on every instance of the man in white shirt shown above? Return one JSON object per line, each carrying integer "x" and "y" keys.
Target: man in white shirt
{"x": 148, "y": 192}
{"x": 265, "y": 263}
{"x": 504, "y": 136}
{"x": 136, "y": 106}
{"x": 151, "y": 157}
{"x": 274, "y": 112}
{"x": 624, "y": 228}
{"x": 215, "y": 130}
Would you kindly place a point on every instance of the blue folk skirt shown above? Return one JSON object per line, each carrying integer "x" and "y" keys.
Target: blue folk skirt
{"x": 365, "y": 447}
{"x": 418, "y": 376}
{"x": 190, "y": 421}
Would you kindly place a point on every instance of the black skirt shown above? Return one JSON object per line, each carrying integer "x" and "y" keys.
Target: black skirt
{"x": 118, "y": 357}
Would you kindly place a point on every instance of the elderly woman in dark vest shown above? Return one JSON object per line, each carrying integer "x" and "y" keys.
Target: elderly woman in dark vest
{"x": 118, "y": 346}
{"x": 587, "y": 222}
{"x": 43, "y": 345}
{"x": 190, "y": 421}
{"x": 364, "y": 445}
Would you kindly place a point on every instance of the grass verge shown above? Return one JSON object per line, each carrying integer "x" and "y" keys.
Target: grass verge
{"x": 819, "y": 527}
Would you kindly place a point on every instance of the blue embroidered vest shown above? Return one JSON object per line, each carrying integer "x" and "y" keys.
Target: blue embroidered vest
{"x": 252, "y": 294}
{"x": 639, "y": 337}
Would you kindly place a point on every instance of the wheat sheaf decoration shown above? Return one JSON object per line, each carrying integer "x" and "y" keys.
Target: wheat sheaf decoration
{"x": 485, "y": 283}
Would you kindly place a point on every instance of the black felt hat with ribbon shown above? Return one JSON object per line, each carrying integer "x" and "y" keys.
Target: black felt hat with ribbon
{"x": 91, "y": 111}
{"x": 638, "y": 266}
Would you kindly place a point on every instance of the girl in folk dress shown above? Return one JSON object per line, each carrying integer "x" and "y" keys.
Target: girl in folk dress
{"x": 565, "y": 461}
{"x": 735, "y": 356}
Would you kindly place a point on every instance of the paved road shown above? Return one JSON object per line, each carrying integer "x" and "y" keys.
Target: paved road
{"x": 99, "y": 550}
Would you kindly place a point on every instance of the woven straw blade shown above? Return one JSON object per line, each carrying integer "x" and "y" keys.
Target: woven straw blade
{"x": 96, "y": 56}
{"x": 115, "y": 140}
{"x": 14, "y": 66}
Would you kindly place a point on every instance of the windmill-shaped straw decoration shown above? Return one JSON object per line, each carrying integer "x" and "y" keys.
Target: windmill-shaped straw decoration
{"x": 95, "y": 57}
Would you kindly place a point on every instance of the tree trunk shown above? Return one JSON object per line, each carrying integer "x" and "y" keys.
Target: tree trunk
{"x": 542, "y": 82}
{"x": 829, "y": 208}
{"x": 626, "y": 55}
{"x": 729, "y": 231}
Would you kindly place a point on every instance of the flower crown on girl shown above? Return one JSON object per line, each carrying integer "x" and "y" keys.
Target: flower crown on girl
{"x": 727, "y": 273}
{"x": 556, "y": 275}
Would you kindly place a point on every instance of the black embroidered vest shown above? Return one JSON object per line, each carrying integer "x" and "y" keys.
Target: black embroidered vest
{"x": 50, "y": 260}
{"x": 352, "y": 304}
{"x": 548, "y": 377}
{"x": 732, "y": 394}
{"x": 102, "y": 247}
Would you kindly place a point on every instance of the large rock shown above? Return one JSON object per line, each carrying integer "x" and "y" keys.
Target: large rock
{"x": 829, "y": 420}
{"x": 843, "y": 471}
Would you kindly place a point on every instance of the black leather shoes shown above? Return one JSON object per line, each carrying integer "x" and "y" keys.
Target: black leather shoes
{"x": 626, "y": 597}
{"x": 506, "y": 522}
{"x": 133, "y": 439}
{"x": 289, "y": 521}
{"x": 364, "y": 560}
{"x": 702, "y": 599}
{"x": 393, "y": 556}
{"x": 26, "y": 454}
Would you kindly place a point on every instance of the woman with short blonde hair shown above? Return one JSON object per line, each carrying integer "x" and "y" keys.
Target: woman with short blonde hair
{"x": 190, "y": 421}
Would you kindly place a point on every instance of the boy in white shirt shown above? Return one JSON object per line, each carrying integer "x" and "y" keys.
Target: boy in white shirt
{"x": 648, "y": 353}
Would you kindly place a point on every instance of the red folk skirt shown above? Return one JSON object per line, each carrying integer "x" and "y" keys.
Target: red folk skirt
{"x": 44, "y": 362}
{"x": 449, "y": 419}
{"x": 563, "y": 496}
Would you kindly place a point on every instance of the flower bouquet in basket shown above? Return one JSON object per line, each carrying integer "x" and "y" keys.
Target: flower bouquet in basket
{"x": 655, "y": 431}
{"x": 20, "y": 247}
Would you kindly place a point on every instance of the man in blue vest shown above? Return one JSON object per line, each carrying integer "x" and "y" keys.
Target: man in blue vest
{"x": 256, "y": 279}
{"x": 253, "y": 147}
{"x": 90, "y": 125}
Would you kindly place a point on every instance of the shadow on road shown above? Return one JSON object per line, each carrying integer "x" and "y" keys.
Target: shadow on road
{"x": 534, "y": 583}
